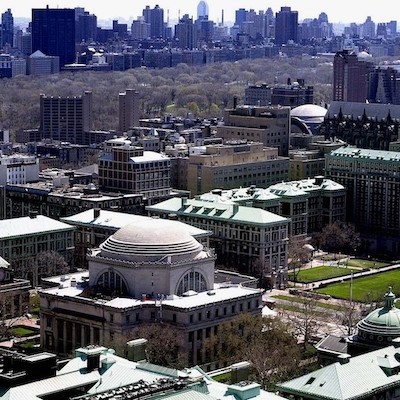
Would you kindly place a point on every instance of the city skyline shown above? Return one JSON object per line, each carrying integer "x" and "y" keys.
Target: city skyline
{"x": 123, "y": 10}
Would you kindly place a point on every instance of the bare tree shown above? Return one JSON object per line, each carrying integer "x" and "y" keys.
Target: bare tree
{"x": 49, "y": 263}
{"x": 305, "y": 319}
{"x": 338, "y": 236}
{"x": 297, "y": 255}
{"x": 265, "y": 343}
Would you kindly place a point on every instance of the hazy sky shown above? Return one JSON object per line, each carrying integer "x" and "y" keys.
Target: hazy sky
{"x": 337, "y": 10}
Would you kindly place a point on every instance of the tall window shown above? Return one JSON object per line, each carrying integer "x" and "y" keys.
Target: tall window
{"x": 192, "y": 281}
{"x": 112, "y": 283}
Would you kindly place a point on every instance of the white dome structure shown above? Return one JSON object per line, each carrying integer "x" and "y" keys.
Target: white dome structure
{"x": 157, "y": 240}
{"x": 311, "y": 115}
{"x": 158, "y": 256}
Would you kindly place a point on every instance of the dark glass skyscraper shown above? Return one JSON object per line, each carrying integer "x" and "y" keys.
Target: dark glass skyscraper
{"x": 53, "y": 33}
{"x": 286, "y": 26}
{"x": 7, "y": 29}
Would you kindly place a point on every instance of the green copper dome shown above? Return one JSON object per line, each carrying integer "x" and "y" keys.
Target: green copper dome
{"x": 381, "y": 325}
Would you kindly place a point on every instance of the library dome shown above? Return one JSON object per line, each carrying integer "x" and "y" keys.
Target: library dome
{"x": 158, "y": 240}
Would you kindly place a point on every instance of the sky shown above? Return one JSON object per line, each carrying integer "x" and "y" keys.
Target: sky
{"x": 339, "y": 11}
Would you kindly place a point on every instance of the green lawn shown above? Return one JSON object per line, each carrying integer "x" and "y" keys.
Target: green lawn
{"x": 368, "y": 288}
{"x": 322, "y": 272}
{"x": 294, "y": 299}
{"x": 357, "y": 262}
{"x": 20, "y": 331}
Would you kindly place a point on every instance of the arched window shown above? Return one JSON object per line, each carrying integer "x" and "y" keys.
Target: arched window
{"x": 192, "y": 281}
{"x": 112, "y": 283}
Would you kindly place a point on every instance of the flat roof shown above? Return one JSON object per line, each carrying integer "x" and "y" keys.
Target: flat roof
{"x": 369, "y": 154}
{"x": 116, "y": 220}
{"x": 221, "y": 292}
{"x": 25, "y": 226}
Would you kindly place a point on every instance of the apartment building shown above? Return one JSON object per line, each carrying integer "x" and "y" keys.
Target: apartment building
{"x": 372, "y": 180}
{"x": 233, "y": 164}
{"x": 269, "y": 125}
{"x": 18, "y": 169}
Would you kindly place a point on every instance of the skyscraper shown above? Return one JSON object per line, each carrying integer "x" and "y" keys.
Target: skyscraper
{"x": 202, "y": 10}
{"x": 351, "y": 76}
{"x": 286, "y": 26}
{"x": 86, "y": 27}
{"x": 7, "y": 29}
{"x": 53, "y": 33}
{"x": 185, "y": 33}
{"x": 155, "y": 17}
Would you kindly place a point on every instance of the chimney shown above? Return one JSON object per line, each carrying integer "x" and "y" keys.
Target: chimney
{"x": 235, "y": 102}
{"x": 235, "y": 209}
{"x": 137, "y": 350}
{"x": 96, "y": 212}
{"x": 344, "y": 358}
{"x": 318, "y": 180}
{"x": 93, "y": 359}
{"x": 33, "y": 214}
{"x": 289, "y": 81}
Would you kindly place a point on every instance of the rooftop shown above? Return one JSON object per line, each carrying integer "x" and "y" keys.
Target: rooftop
{"x": 25, "y": 226}
{"x": 337, "y": 381}
{"x": 369, "y": 154}
{"x": 116, "y": 220}
{"x": 73, "y": 285}
{"x": 239, "y": 214}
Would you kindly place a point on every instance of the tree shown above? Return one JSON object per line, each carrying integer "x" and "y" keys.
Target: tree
{"x": 297, "y": 255}
{"x": 347, "y": 316}
{"x": 338, "y": 237}
{"x": 49, "y": 263}
{"x": 265, "y": 342}
{"x": 305, "y": 319}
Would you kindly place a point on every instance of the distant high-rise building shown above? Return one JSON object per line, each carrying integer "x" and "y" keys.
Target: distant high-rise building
{"x": 286, "y": 26}
{"x": 86, "y": 27}
{"x": 7, "y": 29}
{"x": 240, "y": 16}
{"x": 269, "y": 23}
{"x": 368, "y": 28}
{"x": 155, "y": 17}
{"x": 202, "y": 10}
{"x": 66, "y": 119}
{"x": 140, "y": 29}
{"x": 186, "y": 33}
{"x": 351, "y": 73}
{"x": 128, "y": 110}
{"x": 53, "y": 33}
{"x": 392, "y": 27}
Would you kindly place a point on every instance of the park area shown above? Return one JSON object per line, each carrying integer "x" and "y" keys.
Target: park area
{"x": 365, "y": 289}
{"x": 334, "y": 269}
{"x": 320, "y": 273}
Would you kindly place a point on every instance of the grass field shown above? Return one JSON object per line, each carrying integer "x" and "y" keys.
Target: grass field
{"x": 357, "y": 262}
{"x": 319, "y": 273}
{"x": 368, "y": 288}
{"x": 294, "y": 299}
{"x": 20, "y": 331}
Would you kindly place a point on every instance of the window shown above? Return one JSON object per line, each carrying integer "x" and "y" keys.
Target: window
{"x": 192, "y": 281}
{"x": 111, "y": 282}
